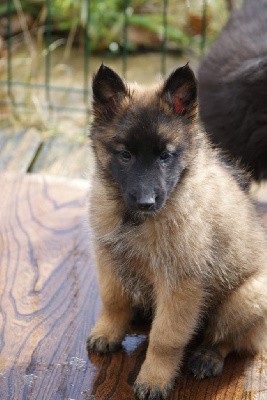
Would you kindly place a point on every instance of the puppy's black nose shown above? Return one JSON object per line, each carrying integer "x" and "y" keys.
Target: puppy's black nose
{"x": 146, "y": 203}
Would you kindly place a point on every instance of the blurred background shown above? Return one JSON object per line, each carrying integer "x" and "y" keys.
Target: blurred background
{"x": 49, "y": 50}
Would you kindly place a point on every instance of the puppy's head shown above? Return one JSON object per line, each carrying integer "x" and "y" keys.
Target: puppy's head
{"x": 142, "y": 138}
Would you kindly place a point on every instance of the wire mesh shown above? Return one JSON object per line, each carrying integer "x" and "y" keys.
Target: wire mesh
{"x": 48, "y": 86}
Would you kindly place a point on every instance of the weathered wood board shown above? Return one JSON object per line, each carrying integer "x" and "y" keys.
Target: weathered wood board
{"x": 18, "y": 149}
{"x": 49, "y": 301}
{"x": 63, "y": 156}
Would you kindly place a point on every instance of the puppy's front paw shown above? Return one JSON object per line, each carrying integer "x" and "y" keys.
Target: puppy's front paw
{"x": 101, "y": 345}
{"x": 205, "y": 363}
{"x": 144, "y": 391}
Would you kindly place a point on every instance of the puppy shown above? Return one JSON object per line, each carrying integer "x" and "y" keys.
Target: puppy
{"x": 173, "y": 231}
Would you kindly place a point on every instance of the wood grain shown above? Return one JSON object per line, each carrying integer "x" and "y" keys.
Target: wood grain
{"x": 49, "y": 301}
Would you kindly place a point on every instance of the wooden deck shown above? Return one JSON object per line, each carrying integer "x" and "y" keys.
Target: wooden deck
{"x": 27, "y": 150}
{"x": 49, "y": 296}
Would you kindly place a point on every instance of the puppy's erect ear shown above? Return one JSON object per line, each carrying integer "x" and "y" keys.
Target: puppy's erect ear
{"x": 108, "y": 90}
{"x": 180, "y": 91}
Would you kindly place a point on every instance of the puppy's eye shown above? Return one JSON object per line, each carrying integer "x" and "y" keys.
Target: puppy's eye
{"x": 165, "y": 156}
{"x": 125, "y": 156}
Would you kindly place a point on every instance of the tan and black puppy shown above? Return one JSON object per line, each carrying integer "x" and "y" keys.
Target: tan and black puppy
{"x": 173, "y": 230}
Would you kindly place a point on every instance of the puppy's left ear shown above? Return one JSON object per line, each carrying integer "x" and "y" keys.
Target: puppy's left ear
{"x": 180, "y": 91}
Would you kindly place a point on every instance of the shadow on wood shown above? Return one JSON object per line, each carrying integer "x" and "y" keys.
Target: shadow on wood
{"x": 49, "y": 302}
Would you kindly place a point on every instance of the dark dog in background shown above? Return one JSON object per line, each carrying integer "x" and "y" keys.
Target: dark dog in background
{"x": 233, "y": 88}
{"x": 172, "y": 232}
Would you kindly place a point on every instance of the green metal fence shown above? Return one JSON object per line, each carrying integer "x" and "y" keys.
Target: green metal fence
{"x": 11, "y": 83}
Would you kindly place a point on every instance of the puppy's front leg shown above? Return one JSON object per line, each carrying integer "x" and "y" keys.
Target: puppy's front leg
{"x": 109, "y": 330}
{"x": 176, "y": 317}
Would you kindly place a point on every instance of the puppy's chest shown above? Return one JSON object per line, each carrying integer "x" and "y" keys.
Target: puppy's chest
{"x": 134, "y": 263}
{"x": 131, "y": 248}
{"x": 143, "y": 252}
{"x": 140, "y": 243}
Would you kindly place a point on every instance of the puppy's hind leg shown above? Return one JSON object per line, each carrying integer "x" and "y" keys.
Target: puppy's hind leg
{"x": 239, "y": 324}
{"x": 208, "y": 360}
{"x": 241, "y": 319}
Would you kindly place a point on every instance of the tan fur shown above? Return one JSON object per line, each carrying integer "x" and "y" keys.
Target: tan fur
{"x": 202, "y": 257}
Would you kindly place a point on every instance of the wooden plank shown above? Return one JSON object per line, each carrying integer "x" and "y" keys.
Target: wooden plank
{"x": 18, "y": 149}
{"x": 46, "y": 289}
{"x": 49, "y": 302}
{"x": 63, "y": 157}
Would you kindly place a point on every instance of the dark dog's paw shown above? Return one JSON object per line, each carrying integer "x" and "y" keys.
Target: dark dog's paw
{"x": 143, "y": 391}
{"x": 101, "y": 345}
{"x": 205, "y": 363}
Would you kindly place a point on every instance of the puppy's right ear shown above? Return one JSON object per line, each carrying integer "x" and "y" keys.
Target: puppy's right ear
{"x": 108, "y": 91}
